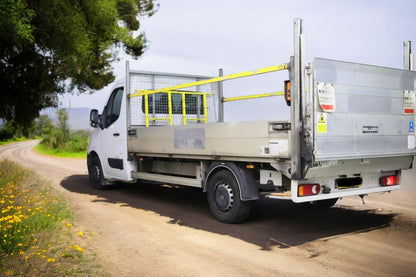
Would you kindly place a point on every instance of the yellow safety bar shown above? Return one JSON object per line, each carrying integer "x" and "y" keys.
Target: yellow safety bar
{"x": 146, "y": 94}
{"x": 218, "y": 79}
{"x": 253, "y": 96}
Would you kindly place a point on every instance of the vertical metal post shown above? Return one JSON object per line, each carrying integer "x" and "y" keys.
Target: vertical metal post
{"x": 198, "y": 101}
{"x": 146, "y": 109}
{"x": 127, "y": 93}
{"x": 296, "y": 76}
{"x": 220, "y": 98}
{"x": 183, "y": 109}
{"x": 204, "y": 101}
{"x": 408, "y": 56}
{"x": 153, "y": 98}
{"x": 170, "y": 107}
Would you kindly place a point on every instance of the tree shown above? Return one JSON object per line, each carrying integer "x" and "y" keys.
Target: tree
{"x": 43, "y": 125}
{"x": 63, "y": 126}
{"x": 51, "y": 47}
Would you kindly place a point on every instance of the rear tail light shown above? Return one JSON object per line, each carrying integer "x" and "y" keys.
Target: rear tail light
{"x": 287, "y": 92}
{"x": 391, "y": 180}
{"x": 310, "y": 189}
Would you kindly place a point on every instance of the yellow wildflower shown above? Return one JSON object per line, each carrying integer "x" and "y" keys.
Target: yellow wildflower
{"x": 78, "y": 248}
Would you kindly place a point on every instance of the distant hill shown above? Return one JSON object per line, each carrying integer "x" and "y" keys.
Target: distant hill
{"x": 78, "y": 117}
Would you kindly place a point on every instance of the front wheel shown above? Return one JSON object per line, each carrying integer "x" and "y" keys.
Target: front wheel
{"x": 224, "y": 198}
{"x": 95, "y": 173}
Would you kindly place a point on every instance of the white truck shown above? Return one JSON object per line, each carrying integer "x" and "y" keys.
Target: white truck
{"x": 350, "y": 132}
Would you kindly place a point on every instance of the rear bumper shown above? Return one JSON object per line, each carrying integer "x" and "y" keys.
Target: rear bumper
{"x": 336, "y": 193}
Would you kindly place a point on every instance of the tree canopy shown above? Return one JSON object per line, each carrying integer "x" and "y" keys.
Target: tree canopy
{"x": 51, "y": 47}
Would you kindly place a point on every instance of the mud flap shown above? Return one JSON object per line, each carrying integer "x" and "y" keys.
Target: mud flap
{"x": 245, "y": 179}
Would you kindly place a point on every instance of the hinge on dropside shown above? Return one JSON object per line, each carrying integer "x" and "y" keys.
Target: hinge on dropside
{"x": 279, "y": 126}
{"x": 132, "y": 132}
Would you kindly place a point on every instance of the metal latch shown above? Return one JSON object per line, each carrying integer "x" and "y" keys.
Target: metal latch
{"x": 279, "y": 126}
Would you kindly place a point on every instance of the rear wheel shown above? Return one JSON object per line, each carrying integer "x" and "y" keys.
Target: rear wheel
{"x": 224, "y": 198}
{"x": 95, "y": 173}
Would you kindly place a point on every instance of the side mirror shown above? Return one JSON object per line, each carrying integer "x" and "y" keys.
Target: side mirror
{"x": 94, "y": 118}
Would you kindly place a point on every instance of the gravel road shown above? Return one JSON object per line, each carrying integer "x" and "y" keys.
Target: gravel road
{"x": 160, "y": 230}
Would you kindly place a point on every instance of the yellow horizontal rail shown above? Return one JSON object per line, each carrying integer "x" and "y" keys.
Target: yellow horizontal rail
{"x": 216, "y": 79}
{"x": 254, "y": 96}
{"x": 150, "y": 92}
{"x": 159, "y": 118}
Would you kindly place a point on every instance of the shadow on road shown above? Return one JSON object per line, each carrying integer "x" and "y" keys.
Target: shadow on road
{"x": 272, "y": 222}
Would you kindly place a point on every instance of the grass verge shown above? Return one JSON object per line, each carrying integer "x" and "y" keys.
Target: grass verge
{"x": 60, "y": 153}
{"x": 37, "y": 237}
{"x": 13, "y": 140}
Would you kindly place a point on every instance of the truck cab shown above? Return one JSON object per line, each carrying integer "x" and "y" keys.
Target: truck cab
{"x": 107, "y": 151}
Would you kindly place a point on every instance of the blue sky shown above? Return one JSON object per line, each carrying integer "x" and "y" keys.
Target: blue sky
{"x": 199, "y": 37}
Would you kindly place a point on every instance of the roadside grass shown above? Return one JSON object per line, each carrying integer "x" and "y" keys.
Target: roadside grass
{"x": 37, "y": 237}
{"x": 13, "y": 140}
{"x": 41, "y": 148}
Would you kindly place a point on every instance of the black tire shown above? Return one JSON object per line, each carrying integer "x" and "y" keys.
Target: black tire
{"x": 224, "y": 198}
{"x": 95, "y": 173}
{"x": 324, "y": 204}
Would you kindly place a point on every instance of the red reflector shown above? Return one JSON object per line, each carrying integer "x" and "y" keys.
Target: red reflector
{"x": 389, "y": 180}
{"x": 312, "y": 189}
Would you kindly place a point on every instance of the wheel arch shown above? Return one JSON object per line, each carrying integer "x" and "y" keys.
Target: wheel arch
{"x": 91, "y": 155}
{"x": 245, "y": 178}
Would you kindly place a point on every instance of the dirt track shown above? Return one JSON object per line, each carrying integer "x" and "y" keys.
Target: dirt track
{"x": 152, "y": 230}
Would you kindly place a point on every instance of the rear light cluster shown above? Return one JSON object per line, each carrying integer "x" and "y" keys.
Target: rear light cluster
{"x": 314, "y": 189}
{"x": 391, "y": 180}
{"x": 309, "y": 189}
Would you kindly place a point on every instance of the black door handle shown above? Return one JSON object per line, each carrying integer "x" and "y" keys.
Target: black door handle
{"x": 116, "y": 134}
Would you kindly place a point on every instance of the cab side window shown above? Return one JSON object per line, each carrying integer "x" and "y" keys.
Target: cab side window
{"x": 113, "y": 108}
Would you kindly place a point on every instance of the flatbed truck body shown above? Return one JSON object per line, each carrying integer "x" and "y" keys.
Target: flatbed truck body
{"x": 350, "y": 132}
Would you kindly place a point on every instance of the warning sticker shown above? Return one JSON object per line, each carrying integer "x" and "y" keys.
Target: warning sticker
{"x": 321, "y": 123}
{"x": 409, "y": 101}
{"x": 326, "y": 96}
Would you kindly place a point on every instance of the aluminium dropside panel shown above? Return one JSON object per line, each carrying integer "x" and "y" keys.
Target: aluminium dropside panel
{"x": 254, "y": 141}
{"x": 372, "y": 114}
